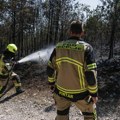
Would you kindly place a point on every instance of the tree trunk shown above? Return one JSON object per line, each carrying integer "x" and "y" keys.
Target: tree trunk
{"x": 13, "y": 26}
{"x": 114, "y": 24}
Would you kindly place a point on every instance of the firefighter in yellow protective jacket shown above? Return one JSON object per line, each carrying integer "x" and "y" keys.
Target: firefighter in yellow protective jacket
{"x": 72, "y": 75}
{"x": 6, "y": 69}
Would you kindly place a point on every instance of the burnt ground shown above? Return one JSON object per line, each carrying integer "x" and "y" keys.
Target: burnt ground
{"x": 36, "y": 103}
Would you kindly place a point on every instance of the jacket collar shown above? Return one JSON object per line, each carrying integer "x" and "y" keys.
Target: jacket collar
{"x": 74, "y": 38}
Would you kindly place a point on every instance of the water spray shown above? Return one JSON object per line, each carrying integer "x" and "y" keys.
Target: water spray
{"x": 42, "y": 55}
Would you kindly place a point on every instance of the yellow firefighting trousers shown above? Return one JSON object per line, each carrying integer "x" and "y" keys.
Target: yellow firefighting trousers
{"x": 63, "y": 105}
{"x": 15, "y": 79}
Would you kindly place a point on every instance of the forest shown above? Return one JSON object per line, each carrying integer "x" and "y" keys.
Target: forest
{"x": 35, "y": 24}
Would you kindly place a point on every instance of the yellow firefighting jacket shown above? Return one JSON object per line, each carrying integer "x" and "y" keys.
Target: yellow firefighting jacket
{"x": 72, "y": 69}
{"x": 5, "y": 68}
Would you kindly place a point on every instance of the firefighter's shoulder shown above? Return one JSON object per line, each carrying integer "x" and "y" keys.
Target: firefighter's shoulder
{"x": 60, "y": 43}
{"x": 86, "y": 45}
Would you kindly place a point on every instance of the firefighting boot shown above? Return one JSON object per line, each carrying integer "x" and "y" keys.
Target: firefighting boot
{"x": 19, "y": 90}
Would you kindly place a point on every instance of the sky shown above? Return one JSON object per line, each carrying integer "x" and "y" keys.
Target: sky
{"x": 92, "y": 3}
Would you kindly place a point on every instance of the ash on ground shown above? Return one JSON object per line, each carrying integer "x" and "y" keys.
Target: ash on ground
{"x": 36, "y": 103}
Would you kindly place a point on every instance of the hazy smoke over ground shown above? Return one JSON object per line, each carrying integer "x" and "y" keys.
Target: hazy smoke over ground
{"x": 42, "y": 55}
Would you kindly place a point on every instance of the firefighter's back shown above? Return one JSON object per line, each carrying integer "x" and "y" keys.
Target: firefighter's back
{"x": 70, "y": 66}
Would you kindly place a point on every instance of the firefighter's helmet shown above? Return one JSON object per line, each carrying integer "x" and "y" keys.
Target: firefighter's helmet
{"x": 12, "y": 48}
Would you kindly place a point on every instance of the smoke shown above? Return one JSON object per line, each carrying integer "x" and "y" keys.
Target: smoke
{"x": 42, "y": 55}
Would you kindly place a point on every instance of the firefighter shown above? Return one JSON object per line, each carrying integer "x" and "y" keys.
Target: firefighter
{"x": 6, "y": 69}
{"x": 72, "y": 75}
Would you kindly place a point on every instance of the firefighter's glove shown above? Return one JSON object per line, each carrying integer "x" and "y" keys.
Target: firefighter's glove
{"x": 90, "y": 99}
{"x": 95, "y": 99}
{"x": 8, "y": 66}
